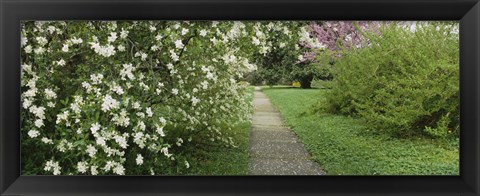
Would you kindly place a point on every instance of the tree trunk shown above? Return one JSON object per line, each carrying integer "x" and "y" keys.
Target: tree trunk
{"x": 306, "y": 82}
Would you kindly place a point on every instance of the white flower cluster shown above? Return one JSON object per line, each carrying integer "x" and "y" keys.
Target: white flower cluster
{"x": 105, "y": 51}
{"x": 53, "y": 167}
{"x": 175, "y": 82}
{"x": 308, "y": 41}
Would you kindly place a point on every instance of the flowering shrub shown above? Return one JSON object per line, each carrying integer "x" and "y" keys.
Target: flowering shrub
{"x": 295, "y": 51}
{"x": 120, "y": 98}
{"x": 280, "y": 59}
{"x": 337, "y": 35}
{"x": 279, "y": 51}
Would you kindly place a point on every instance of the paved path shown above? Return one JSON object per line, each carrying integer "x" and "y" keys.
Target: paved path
{"x": 273, "y": 148}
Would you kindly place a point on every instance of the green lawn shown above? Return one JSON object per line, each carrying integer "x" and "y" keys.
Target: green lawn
{"x": 223, "y": 160}
{"x": 344, "y": 146}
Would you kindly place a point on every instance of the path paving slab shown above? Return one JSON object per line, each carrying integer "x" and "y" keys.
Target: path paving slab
{"x": 266, "y": 120}
{"x": 278, "y": 149}
{"x": 275, "y": 135}
{"x": 274, "y": 149}
{"x": 276, "y": 166}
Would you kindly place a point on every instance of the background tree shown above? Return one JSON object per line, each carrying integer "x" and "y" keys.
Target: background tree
{"x": 278, "y": 53}
{"x": 323, "y": 43}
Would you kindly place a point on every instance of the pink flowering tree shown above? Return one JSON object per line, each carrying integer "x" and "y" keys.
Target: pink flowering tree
{"x": 323, "y": 42}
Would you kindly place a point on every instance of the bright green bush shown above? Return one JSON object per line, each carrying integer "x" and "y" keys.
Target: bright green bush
{"x": 405, "y": 81}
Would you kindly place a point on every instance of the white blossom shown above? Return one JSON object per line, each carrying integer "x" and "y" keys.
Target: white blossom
{"x": 119, "y": 169}
{"x": 139, "y": 159}
{"x": 41, "y": 41}
{"x": 123, "y": 33}
{"x": 23, "y": 41}
{"x": 121, "y": 141}
{"x": 136, "y": 105}
{"x": 179, "y": 44}
{"x": 300, "y": 57}
{"x": 39, "y": 50}
{"x": 112, "y": 37}
{"x": 170, "y": 66}
{"x": 121, "y": 48}
{"x": 139, "y": 139}
{"x": 82, "y": 167}
{"x": 51, "y": 29}
{"x": 39, "y": 123}
{"x": 65, "y": 48}
{"x": 152, "y": 28}
{"x": 127, "y": 72}
{"x": 39, "y": 112}
{"x": 195, "y": 101}
{"x": 33, "y": 133}
{"x": 62, "y": 117}
{"x": 159, "y": 130}
{"x": 49, "y": 94}
{"x": 93, "y": 170}
{"x": 105, "y": 51}
{"x": 53, "y": 166}
{"x": 175, "y": 91}
{"x": 149, "y": 112}
{"x": 47, "y": 141}
{"x": 95, "y": 127}
{"x": 203, "y": 32}
{"x": 91, "y": 150}
{"x": 28, "y": 49}
{"x": 109, "y": 103}
{"x": 61, "y": 62}
{"x": 75, "y": 40}
{"x": 184, "y": 31}
{"x": 162, "y": 120}
{"x": 118, "y": 89}
{"x": 96, "y": 78}
{"x": 179, "y": 141}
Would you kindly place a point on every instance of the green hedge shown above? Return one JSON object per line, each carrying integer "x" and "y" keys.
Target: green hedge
{"x": 405, "y": 81}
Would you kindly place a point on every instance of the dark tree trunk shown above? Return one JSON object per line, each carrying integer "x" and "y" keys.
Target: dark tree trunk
{"x": 306, "y": 82}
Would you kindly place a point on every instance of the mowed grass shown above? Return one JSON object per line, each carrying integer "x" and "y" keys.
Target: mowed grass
{"x": 224, "y": 160}
{"x": 343, "y": 145}
{"x": 221, "y": 159}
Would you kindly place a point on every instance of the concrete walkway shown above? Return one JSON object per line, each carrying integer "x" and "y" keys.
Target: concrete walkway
{"x": 273, "y": 148}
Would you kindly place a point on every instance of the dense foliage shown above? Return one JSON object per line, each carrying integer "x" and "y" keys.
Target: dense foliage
{"x": 278, "y": 54}
{"x": 130, "y": 97}
{"x": 405, "y": 81}
{"x": 283, "y": 59}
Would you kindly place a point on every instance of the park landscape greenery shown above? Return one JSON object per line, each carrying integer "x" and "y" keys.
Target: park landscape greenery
{"x": 171, "y": 97}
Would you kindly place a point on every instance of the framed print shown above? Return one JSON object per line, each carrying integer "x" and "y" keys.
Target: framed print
{"x": 239, "y": 97}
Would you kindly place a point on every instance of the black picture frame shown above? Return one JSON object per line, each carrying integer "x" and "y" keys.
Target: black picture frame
{"x": 13, "y": 11}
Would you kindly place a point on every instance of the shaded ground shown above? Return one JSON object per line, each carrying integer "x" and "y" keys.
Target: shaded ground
{"x": 274, "y": 149}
